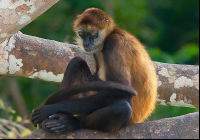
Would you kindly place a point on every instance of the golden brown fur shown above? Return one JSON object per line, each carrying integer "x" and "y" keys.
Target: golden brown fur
{"x": 123, "y": 55}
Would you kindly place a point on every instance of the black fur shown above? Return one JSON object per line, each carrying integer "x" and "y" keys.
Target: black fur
{"x": 108, "y": 110}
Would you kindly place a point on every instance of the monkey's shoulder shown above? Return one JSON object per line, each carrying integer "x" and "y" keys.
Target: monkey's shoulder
{"x": 119, "y": 40}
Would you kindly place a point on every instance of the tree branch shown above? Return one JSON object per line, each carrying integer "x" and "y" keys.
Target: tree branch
{"x": 47, "y": 60}
{"x": 15, "y": 14}
{"x": 18, "y": 99}
{"x": 182, "y": 127}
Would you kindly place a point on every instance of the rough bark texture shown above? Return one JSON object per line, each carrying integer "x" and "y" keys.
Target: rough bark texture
{"x": 15, "y": 14}
{"x": 182, "y": 127}
{"x": 178, "y": 85}
{"x": 35, "y": 57}
{"x": 47, "y": 60}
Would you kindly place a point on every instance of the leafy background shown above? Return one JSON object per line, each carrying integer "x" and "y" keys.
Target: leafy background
{"x": 169, "y": 30}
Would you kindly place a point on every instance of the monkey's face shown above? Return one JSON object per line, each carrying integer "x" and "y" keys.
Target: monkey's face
{"x": 90, "y": 39}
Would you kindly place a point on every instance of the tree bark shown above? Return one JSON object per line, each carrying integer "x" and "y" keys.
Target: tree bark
{"x": 18, "y": 99}
{"x": 182, "y": 127}
{"x": 15, "y": 14}
{"x": 33, "y": 57}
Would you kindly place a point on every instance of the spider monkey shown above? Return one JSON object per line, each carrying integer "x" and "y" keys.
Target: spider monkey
{"x": 123, "y": 69}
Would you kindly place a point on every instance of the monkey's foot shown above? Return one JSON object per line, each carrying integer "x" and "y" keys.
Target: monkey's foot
{"x": 60, "y": 123}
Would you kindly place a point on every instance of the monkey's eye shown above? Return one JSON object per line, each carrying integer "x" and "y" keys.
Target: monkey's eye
{"x": 81, "y": 34}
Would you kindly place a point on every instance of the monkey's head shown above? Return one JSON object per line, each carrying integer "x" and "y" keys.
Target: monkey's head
{"x": 91, "y": 28}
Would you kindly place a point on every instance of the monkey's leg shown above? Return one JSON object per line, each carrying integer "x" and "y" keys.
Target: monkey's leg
{"x": 110, "y": 118}
{"x": 77, "y": 72}
{"x": 118, "y": 107}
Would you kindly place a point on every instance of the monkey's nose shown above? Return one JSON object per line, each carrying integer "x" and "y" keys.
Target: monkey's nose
{"x": 86, "y": 44}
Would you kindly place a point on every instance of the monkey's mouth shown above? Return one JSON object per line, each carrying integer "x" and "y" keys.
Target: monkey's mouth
{"x": 90, "y": 50}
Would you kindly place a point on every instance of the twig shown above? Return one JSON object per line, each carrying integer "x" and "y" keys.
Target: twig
{"x": 6, "y": 122}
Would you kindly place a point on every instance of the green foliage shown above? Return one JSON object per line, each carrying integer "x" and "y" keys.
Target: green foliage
{"x": 11, "y": 127}
{"x": 186, "y": 54}
{"x": 170, "y": 111}
{"x": 131, "y": 18}
{"x": 176, "y": 23}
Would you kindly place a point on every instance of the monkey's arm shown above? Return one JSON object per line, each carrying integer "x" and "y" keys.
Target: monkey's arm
{"x": 85, "y": 105}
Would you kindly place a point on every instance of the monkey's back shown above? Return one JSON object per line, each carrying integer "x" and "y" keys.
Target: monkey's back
{"x": 144, "y": 81}
{"x": 134, "y": 65}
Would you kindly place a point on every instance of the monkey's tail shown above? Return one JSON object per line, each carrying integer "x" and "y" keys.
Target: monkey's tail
{"x": 94, "y": 86}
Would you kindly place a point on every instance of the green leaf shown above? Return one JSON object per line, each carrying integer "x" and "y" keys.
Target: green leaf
{"x": 18, "y": 119}
{"x": 26, "y": 132}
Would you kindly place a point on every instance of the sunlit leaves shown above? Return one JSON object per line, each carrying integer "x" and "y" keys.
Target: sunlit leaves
{"x": 11, "y": 128}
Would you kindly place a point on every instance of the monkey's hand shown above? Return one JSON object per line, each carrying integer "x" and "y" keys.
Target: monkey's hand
{"x": 60, "y": 123}
{"x": 42, "y": 113}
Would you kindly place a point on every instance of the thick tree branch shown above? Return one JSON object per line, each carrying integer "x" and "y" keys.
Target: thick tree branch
{"x": 47, "y": 60}
{"x": 182, "y": 127}
{"x": 15, "y": 14}
{"x": 178, "y": 84}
